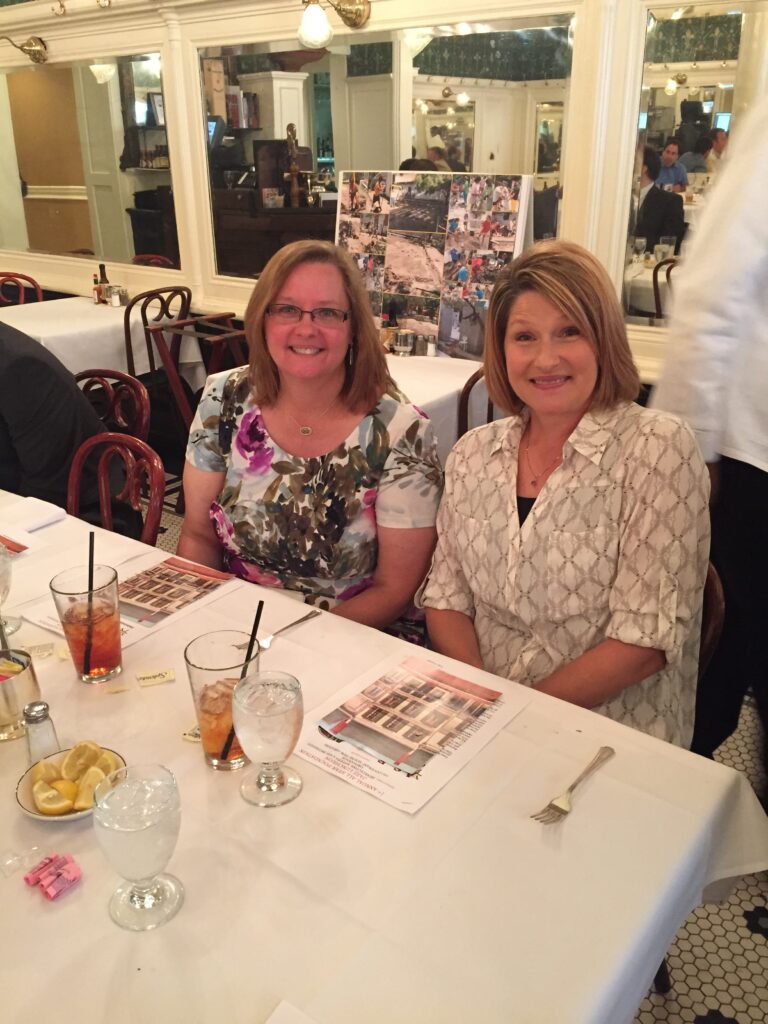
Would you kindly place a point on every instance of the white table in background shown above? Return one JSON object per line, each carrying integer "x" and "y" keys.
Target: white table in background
{"x": 85, "y": 336}
{"x": 434, "y": 384}
{"x": 345, "y": 907}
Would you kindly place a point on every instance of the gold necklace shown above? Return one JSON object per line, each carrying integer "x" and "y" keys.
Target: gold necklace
{"x": 304, "y": 428}
{"x": 549, "y": 465}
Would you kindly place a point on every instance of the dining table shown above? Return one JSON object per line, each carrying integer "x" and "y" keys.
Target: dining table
{"x": 339, "y": 906}
{"x": 434, "y": 383}
{"x": 85, "y": 335}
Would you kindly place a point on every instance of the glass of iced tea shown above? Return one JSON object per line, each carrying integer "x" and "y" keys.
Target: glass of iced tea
{"x": 91, "y": 620}
{"x": 215, "y": 663}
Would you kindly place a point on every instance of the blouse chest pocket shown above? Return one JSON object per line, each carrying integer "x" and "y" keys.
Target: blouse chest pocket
{"x": 581, "y": 567}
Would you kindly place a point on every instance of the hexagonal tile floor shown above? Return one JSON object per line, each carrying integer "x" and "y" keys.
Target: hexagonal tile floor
{"x": 718, "y": 962}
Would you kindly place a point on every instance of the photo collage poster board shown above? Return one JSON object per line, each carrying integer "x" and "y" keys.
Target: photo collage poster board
{"x": 429, "y": 245}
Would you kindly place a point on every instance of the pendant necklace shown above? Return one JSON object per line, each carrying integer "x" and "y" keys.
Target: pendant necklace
{"x": 304, "y": 428}
{"x": 550, "y": 465}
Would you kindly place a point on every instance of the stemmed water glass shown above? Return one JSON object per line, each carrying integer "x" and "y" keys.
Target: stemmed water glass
{"x": 267, "y": 713}
{"x": 10, "y": 622}
{"x": 136, "y": 815}
{"x": 638, "y": 245}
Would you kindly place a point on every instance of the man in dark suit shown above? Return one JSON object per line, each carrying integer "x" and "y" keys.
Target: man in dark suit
{"x": 660, "y": 213}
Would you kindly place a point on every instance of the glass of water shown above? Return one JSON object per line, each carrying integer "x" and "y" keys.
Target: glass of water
{"x": 136, "y": 815}
{"x": 267, "y": 712}
{"x": 10, "y": 623}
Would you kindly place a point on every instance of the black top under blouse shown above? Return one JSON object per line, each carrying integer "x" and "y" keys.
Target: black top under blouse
{"x": 524, "y": 506}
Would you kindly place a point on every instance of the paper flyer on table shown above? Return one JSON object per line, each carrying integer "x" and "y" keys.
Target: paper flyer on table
{"x": 150, "y": 596}
{"x": 405, "y": 728}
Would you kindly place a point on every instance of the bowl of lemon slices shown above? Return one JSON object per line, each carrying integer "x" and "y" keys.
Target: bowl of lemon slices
{"x": 60, "y": 787}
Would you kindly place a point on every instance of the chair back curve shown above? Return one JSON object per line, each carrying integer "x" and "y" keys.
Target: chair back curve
{"x": 142, "y": 466}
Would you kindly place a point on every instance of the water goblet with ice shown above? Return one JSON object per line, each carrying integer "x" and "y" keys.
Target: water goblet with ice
{"x": 267, "y": 713}
{"x": 136, "y": 816}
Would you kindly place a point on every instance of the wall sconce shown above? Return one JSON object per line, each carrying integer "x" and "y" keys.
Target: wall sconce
{"x": 315, "y": 30}
{"x": 103, "y": 71}
{"x": 672, "y": 83}
{"x": 34, "y": 48}
{"x": 462, "y": 98}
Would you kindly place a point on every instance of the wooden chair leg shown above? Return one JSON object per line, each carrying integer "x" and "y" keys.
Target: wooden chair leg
{"x": 662, "y": 982}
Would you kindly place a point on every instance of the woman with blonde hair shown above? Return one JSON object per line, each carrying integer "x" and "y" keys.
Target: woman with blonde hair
{"x": 573, "y": 536}
{"x": 307, "y": 470}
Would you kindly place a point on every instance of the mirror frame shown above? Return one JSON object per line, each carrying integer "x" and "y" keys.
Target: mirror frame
{"x": 603, "y": 98}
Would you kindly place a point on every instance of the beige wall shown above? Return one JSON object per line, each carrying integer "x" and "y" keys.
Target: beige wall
{"x": 44, "y": 123}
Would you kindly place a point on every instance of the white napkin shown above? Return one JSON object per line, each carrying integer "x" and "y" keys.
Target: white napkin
{"x": 30, "y": 514}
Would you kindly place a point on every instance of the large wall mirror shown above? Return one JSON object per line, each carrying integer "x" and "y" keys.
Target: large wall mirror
{"x": 87, "y": 172}
{"x": 704, "y": 66}
{"x": 477, "y": 97}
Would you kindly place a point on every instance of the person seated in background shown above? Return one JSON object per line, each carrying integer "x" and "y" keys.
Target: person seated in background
{"x": 673, "y": 176}
{"x": 436, "y": 153}
{"x": 573, "y": 537}
{"x": 307, "y": 469}
{"x": 695, "y": 161}
{"x": 415, "y": 164}
{"x": 719, "y": 141}
{"x": 44, "y": 418}
{"x": 659, "y": 213}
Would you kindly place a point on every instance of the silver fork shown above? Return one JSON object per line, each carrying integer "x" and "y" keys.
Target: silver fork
{"x": 557, "y": 809}
{"x": 266, "y": 642}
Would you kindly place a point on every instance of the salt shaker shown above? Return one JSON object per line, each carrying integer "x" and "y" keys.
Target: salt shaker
{"x": 41, "y": 734}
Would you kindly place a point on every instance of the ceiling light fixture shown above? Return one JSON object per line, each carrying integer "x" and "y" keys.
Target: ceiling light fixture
{"x": 315, "y": 30}
{"x": 34, "y": 48}
{"x": 462, "y": 98}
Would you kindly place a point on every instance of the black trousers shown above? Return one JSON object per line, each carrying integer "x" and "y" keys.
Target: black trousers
{"x": 740, "y": 554}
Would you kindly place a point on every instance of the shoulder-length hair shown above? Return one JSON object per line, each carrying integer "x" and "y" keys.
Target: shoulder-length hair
{"x": 366, "y": 380}
{"x": 577, "y": 284}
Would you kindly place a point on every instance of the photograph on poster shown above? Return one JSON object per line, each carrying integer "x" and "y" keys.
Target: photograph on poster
{"x": 419, "y": 202}
{"x": 366, "y": 233}
{"x": 445, "y": 238}
{"x": 418, "y": 313}
{"x": 413, "y": 262}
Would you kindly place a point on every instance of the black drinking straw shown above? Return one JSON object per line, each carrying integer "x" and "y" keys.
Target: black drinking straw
{"x": 89, "y": 623}
{"x": 257, "y": 619}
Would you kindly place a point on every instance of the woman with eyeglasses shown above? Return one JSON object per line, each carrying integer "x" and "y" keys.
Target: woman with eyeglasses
{"x": 307, "y": 469}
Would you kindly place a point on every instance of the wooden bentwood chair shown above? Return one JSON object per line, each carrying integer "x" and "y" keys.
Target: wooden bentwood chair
{"x": 464, "y": 400}
{"x": 18, "y": 283}
{"x": 121, "y": 402}
{"x": 667, "y": 266}
{"x": 141, "y": 465}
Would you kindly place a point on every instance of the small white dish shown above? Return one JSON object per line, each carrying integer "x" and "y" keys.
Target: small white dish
{"x": 24, "y": 790}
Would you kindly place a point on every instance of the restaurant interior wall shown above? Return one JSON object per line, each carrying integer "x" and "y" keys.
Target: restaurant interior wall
{"x": 608, "y": 41}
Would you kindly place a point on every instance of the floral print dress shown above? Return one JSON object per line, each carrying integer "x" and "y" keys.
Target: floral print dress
{"x": 309, "y": 524}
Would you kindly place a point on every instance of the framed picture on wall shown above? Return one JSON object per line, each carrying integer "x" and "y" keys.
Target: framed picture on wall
{"x": 158, "y": 110}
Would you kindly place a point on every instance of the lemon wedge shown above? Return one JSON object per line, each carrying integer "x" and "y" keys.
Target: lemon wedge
{"x": 45, "y": 771}
{"x": 80, "y": 757}
{"x": 90, "y": 780}
{"x": 67, "y": 789}
{"x": 48, "y": 800}
{"x": 109, "y": 762}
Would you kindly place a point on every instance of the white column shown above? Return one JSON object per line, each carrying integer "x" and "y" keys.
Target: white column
{"x": 752, "y": 67}
{"x": 13, "y": 224}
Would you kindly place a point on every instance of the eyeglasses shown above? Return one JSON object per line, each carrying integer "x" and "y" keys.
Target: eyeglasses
{"x": 326, "y": 316}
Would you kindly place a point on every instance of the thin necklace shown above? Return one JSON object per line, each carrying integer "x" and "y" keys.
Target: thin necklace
{"x": 304, "y": 428}
{"x": 550, "y": 465}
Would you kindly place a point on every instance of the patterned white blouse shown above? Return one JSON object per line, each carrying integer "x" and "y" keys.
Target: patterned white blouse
{"x": 616, "y": 545}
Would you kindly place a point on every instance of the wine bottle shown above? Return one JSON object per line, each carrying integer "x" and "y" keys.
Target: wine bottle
{"x": 103, "y": 283}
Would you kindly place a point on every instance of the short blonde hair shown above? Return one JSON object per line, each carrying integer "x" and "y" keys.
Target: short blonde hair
{"x": 366, "y": 380}
{"x": 576, "y": 283}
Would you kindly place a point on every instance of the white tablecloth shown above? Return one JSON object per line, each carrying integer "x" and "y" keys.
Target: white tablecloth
{"x": 348, "y": 909}
{"x": 638, "y": 281}
{"x": 85, "y": 336}
{"x": 434, "y": 384}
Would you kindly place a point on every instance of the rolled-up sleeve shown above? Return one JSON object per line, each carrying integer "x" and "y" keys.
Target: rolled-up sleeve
{"x": 664, "y": 540}
{"x": 446, "y": 587}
